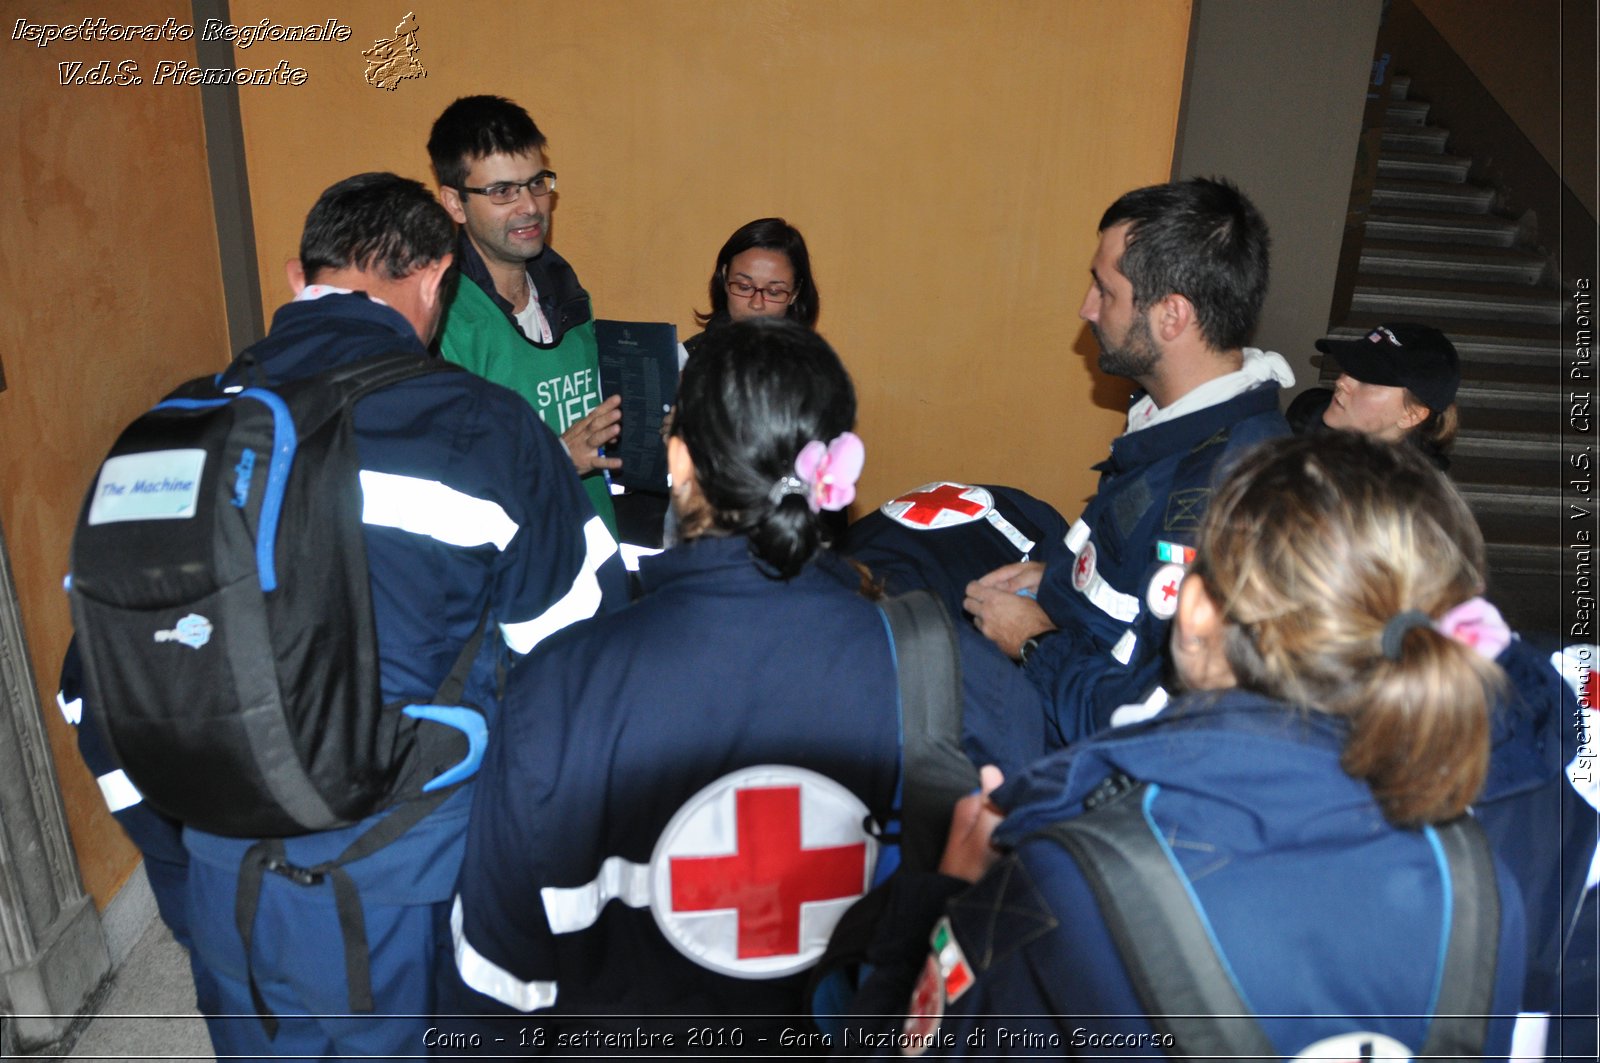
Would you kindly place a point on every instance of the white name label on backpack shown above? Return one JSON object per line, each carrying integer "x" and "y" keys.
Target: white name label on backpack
{"x": 155, "y": 485}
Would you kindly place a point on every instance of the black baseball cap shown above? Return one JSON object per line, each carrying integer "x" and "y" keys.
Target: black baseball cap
{"x": 1415, "y": 357}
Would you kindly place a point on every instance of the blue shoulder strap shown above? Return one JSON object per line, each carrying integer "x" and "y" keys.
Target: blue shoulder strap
{"x": 934, "y": 772}
{"x": 1182, "y": 983}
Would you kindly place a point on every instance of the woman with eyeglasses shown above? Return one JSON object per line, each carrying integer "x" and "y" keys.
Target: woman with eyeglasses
{"x": 762, "y": 271}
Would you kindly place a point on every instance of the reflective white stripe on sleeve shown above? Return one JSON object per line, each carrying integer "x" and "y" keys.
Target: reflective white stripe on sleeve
{"x": 1123, "y": 650}
{"x": 1106, "y": 598}
{"x": 493, "y": 981}
{"x": 428, "y": 507}
{"x": 118, "y": 790}
{"x": 1077, "y": 535}
{"x": 631, "y": 555}
{"x": 579, "y": 603}
{"x": 577, "y": 907}
{"x": 72, "y": 710}
{"x": 1142, "y": 710}
{"x": 1011, "y": 532}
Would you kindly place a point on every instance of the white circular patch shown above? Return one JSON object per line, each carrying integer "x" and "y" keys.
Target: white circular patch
{"x": 1162, "y": 597}
{"x": 1355, "y": 1047}
{"x": 939, "y": 505}
{"x": 751, "y": 874}
{"x": 1083, "y": 567}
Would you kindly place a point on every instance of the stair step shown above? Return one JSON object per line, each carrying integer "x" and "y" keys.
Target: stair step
{"x": 1512, "y": 521}
{"x": 1427, "y": 227}
{"x": 1480, "y": 343}
{"x": 1491, "y": 379}
{"x": 1399, "y": 86}
{"x": 1406, "y": 113}
{"x": 1424, "y": 167}
{"x": 1542, "y": 396}
{"x": 1526, "y": 585}
{"x": 1526, "y": 557}
{"x": 1539, "y": 419}
{"x": 1530, "y": 516}
{"x": 1421, "y": 140}
{"x": 1450, "y": 198}
{"x": 1495, "y": 265}
{"x": 1402, "y": 298}
{"x": 1546, "y": 447}
{"x": 1510, "y": 473}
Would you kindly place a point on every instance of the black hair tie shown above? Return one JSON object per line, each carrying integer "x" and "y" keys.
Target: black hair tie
{"x": 1394, "y": 632}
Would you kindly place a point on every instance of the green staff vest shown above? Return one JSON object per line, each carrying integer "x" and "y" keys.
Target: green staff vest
{"x": 562, "y": 382}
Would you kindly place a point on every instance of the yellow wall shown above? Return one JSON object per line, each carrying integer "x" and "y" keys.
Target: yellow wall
{"x": 946, "y": 161}
{"x": 112, "y": 295}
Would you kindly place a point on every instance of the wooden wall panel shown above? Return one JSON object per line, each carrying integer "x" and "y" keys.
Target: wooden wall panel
{"x": 112, "y": 296}
{"x": 947, "y": 162}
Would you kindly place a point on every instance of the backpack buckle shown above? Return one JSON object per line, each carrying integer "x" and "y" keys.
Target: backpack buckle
{"x": 1110, "y": 788}
{"x": 300, "y": 876}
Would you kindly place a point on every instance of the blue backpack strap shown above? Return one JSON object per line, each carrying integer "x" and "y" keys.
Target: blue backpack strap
{"x": 934, "y": 772}
{"x": 1183, "y": 984}
{"x": 1466, "y": 985}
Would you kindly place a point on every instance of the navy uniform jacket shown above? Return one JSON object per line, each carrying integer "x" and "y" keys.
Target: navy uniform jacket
{"x": 469, "y": 503}
{"x": 1542, "y": 828}
{"x": 613, "y": 726}
{"x": 478, "y": 507}
{"x": 1328, "y": 919}
{"x": 945, "y": 559}
{"x": 1154, "y": 488}
{"x": 159, "y": 838}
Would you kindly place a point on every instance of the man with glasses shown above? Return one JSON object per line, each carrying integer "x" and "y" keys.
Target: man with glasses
{"x": 519, "y": 317}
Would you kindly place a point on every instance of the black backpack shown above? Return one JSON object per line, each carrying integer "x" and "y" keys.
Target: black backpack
{"x": 220, "y": 597}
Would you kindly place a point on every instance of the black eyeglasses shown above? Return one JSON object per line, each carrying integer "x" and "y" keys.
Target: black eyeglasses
{"x": 503, "y": 192}
{"x": 773, "y": 294}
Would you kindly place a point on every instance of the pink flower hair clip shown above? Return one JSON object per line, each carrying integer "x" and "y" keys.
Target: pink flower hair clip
{"x": 1478, "y": 624}
{"x": 825, "y": 475}
{"x": 1474, "y": 623}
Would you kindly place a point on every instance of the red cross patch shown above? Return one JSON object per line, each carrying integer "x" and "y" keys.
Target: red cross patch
{"x": 1083, "y": 567}
{"x": 752, "y": 873}
{"x": 1162, "y": 597}
{"x": 939, "y": 505}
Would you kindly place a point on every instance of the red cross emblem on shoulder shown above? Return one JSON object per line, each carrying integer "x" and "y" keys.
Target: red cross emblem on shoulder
{"x": 753, "y": 872}
{"x": 939, "y": 505}
{"x": 1162, "y": 595}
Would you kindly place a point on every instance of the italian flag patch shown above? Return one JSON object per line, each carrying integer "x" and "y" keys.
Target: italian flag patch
{"x": 953, "y": 967}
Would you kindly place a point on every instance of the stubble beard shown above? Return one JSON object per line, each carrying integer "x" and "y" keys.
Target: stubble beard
{"x": 1135, "y": 357}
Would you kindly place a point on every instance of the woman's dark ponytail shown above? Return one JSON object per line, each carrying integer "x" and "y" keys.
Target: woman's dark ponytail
{"x": 751, "y": 399}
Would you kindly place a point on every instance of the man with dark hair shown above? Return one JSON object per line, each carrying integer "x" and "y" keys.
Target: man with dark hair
{"x": 1175, "y": 289}
{"x": 519, "y": 316}
{"x": 473, "y": 523}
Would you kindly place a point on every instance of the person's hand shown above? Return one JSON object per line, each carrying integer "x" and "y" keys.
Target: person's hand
{"x": 1019, "y": 576}
{"x": 586, "y": 436}
{"x": 967, "y": 853}
{"x": 1006, "y": 618}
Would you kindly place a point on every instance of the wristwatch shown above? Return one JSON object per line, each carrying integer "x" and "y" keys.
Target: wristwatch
{"x": 1029, "y": 644}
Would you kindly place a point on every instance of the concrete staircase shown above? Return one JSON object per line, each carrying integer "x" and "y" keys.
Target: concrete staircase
{"x": 1438, "y": 250}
